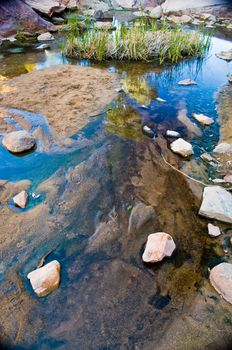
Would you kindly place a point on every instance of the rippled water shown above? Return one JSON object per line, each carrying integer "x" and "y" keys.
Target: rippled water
{"x": 107, "y": 298}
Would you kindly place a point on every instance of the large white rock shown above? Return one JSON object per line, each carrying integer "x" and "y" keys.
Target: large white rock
{"x": 182, "y": 147}
{"x": 18, "y": 141}
{"x": 45, "y": 279}
{"x": 221, "y": 279}
{"x": 21, "y": 199}
{"x": 49, "y": 7}
{"x": 217, "y": 204}
{"x": 158, "y": 246}
{"x": 203, "y": 119}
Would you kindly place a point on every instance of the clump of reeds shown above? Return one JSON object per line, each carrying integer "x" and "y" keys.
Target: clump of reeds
{"x": 142, "y": 41}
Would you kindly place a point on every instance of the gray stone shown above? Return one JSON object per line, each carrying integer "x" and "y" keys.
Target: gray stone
{"x": 156, "y": 12}
{"x": 18, "y": 141}
{"x": 159, "y": 245}
{"x": 221, "y": 279}
{"x": 217, "y": 204}
{"x": 225, "y": 55}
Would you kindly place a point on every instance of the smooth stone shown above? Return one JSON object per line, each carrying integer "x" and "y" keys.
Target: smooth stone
{"x": 21, "y": 199}
{"x": 223, "y": 148}
{"x": 171, "y": 133}
{"x": 213, "y": 231}
{"x": 187, "y": 82}
{"x": 45, "y": 279}
{"x": 217, "y": 204}
{"x": 159, "y": 245}
{"x": 207, "y": 157}
{"x": 148, "y": 131}
{"x": 43, "y": 47}
{"x": 159, "y": 99}
{"x": 225, "y": 55}
{"x": 45, "y": 37}
{"x": 230, "y": 79}
{"x": 156, "y": 12}
{"x": 182, "y": 147}
{"x": 140, "y": 215}
{"x": 18, "y": 141}
{"x": 203, "y": 119}
{"x": 221, "y": 279}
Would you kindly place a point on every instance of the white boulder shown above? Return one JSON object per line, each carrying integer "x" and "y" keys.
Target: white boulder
{"x": 221, "y": 279}
{"x": 213, "y": 231}
{"x": 156, "y": 12}
{"x": 45, "y": 279}
{"x": 21, "y": 199}
{"x": 182, "y": 147}
{"x": 217, "y": 204}
{"x": 203, "y": 119}
{"x": 158, "y": 246}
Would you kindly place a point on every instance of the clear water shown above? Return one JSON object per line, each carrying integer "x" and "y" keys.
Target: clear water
{"x": 107, "y": 298}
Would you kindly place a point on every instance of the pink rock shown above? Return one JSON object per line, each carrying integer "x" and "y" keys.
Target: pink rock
{"x": 45, "y": 279}
{"x": 158, "y": 246}
{"x": 21, "y": 199}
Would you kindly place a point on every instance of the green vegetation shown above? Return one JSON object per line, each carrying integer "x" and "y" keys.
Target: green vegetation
{"x": 142, "y": 41}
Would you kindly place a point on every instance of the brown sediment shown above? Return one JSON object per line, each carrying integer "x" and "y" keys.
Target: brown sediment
{"x": 66, "y": 95}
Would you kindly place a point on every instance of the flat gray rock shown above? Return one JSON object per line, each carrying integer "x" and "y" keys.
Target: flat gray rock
{"x": 18, "y": 141}
{"x": 217, "y": 204}
{"x": 221, "y": 279}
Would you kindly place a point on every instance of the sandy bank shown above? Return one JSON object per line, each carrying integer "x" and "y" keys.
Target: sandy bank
{"x": 66, "y": 95}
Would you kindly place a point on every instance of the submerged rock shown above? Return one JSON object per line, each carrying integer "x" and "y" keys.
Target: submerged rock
{"x": 213, "y": 231}
{"x": 158, "y": 246}
{"x": 187, "y": 82}
{"x": 225, "y": 55}
{"x": 171, "y": 133}
{"x": 45, "y": 279}
{"x": 140, "y": 214}
{"x": 182, "y": 147}
{"x": 43, "y": 47}
{"x": 207, "y": 157}
{"x": 148, "y": 131}
{"x": 18, "y": 141}
{"x": 45, "y": 37}
{"x": 203, "y": 119}
{"x": 21, "y": 199}
{"x": 221, "y": 279}
{"x": 223, "y": 148}
{"x": 217, "y": 204}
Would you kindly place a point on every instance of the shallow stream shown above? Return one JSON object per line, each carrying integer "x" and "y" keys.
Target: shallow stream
{"x": 108, "y": 299}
